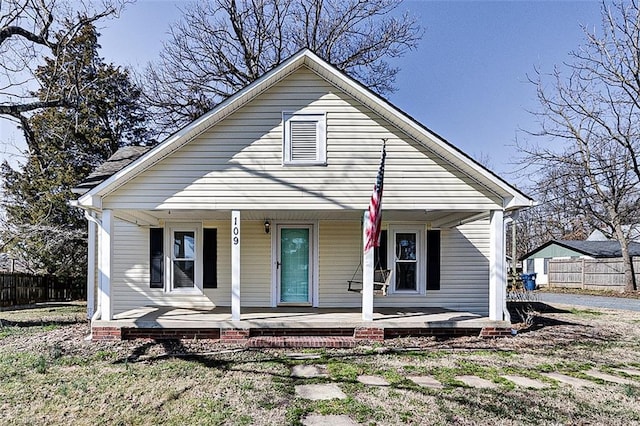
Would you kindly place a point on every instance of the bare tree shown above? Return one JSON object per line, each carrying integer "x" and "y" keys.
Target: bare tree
{"x": 594, "y": 112}
{"x": 29, "y": 30}
{"x": 220, "y": 46}
{"x": 560, "y": 213}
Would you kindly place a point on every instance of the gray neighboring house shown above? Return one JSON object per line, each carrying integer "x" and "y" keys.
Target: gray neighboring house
{"x": 538, "y": 260}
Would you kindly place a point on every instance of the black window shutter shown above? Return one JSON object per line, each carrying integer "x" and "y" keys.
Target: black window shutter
{"x": 156, "y": 254}
{"x": 433, "y": 260}
{"x": 380, "y": 253}
{"x": 210, "y": 255}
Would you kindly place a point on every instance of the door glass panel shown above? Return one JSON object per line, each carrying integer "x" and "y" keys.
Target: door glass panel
{"x": 406, "y": 261}
{"x": 294, "y": 268}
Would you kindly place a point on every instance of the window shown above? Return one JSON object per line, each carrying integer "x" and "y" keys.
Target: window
{"x": 406, "y": 252}
{"x": 530, "y": 267}
{"x": 184, "y": 259}
{"x": 304, "y": 139}
{"x": 546, "y": 264}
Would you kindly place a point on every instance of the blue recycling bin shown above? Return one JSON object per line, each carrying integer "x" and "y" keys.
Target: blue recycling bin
{"x": 529, "y": 281}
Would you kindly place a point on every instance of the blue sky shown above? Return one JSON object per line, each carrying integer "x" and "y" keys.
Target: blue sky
{"x": 467, "y": 81}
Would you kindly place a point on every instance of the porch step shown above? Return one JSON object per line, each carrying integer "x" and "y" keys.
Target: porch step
{"x": 301, "y": 342}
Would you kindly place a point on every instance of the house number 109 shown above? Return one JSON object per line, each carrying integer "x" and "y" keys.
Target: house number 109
{"x": 236, "y": 232}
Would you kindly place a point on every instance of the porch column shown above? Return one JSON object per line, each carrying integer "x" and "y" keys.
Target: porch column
{"x": 367, "y": 275}
{"x": 91, "y": 268}
{"x": 235, "y": 265}
{"x": 104, "y": 265}
{"x": 497, "y": 269}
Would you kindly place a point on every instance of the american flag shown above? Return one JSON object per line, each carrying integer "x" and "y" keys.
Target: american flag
{"x": 375, "y": 215}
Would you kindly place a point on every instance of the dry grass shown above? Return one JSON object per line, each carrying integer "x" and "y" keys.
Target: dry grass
{"x": 50, "y": 375}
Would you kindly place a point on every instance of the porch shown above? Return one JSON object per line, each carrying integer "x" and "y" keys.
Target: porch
{"x": 294, "y": 326}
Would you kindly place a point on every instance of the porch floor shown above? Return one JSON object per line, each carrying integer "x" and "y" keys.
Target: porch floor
{"x": 297, "y": 318}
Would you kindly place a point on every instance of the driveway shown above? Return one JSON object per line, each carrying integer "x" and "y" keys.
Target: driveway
{"x": 590, "y": 301}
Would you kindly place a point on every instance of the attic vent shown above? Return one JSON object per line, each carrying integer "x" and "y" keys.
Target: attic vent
{"x": 304, "y": 139}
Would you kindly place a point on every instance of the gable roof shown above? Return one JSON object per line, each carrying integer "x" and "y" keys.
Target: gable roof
{"x": 430, "y": 140}
{"x": 597, "y": 249}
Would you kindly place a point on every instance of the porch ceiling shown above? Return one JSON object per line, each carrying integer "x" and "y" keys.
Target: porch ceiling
{"x": 436, "y": 219}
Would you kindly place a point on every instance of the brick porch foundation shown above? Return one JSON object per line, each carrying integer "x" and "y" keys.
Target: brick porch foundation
{"x": 489, "y": 332}
{"x": 289, "y": 337}
{"x": 234, "y": 336}
{"x": 372, "y": 334}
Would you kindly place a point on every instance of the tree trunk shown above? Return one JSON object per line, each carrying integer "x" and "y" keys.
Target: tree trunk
{"x": 629, "y": 275}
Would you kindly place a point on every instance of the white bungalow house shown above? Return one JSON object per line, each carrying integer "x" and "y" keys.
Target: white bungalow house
{"x": 260, "y": 202}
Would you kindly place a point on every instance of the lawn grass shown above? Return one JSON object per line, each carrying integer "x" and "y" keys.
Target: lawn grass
{"x": 50, "y": 375}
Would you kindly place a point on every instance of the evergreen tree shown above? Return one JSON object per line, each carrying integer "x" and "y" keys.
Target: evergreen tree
{"x": 66, "y": 143}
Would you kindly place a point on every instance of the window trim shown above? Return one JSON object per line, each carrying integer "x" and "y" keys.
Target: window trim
{"x": 421, "y": 259}
{"x": 170, "y": 231}
{"x": 321, "y": 137}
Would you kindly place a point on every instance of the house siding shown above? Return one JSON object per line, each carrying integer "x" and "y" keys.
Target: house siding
{"x": 237, "y": 164}
{"x": 464, "y": 274}
{"x": 130, "y": 273}
{"x": 464, "y": 269}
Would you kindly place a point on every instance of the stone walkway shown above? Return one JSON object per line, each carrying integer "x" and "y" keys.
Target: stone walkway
{"x": 329, "y": 391}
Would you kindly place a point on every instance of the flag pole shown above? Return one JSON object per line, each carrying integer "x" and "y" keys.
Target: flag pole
{"x": 371, "y": 238}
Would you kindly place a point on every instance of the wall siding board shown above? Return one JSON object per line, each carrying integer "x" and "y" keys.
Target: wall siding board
{"x": 464, "y": 269}
{"x": 130, "y": 286}
{"x": 238, "y": 162}
{"x": 468, "y": 245}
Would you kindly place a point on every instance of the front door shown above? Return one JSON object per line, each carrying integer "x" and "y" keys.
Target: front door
{"x": 294, "y": 264}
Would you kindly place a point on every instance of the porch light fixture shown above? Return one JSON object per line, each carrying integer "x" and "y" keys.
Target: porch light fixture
{"x": 267, "y": 226}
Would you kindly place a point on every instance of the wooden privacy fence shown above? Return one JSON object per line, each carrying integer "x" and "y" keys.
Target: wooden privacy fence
{"x": 590, "y": 274}
{"x": 23, "y": 289}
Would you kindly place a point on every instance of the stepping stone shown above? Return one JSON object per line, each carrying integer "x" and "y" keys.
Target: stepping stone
{"x": 526, "y": 382}
{"x": 477, "y": 382}
{"x": 308, "y": 371}
{"x": 373, "y": 381}
{"x": 317, "y": 420}
{"x": 319, "y": 392}
{"x": 629, "y": 371}
{"x": 610, "y": 377}
{"x": 297, "y": 355}
{"x": 569, "y": 380}
{"x": 426, "y": 381}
